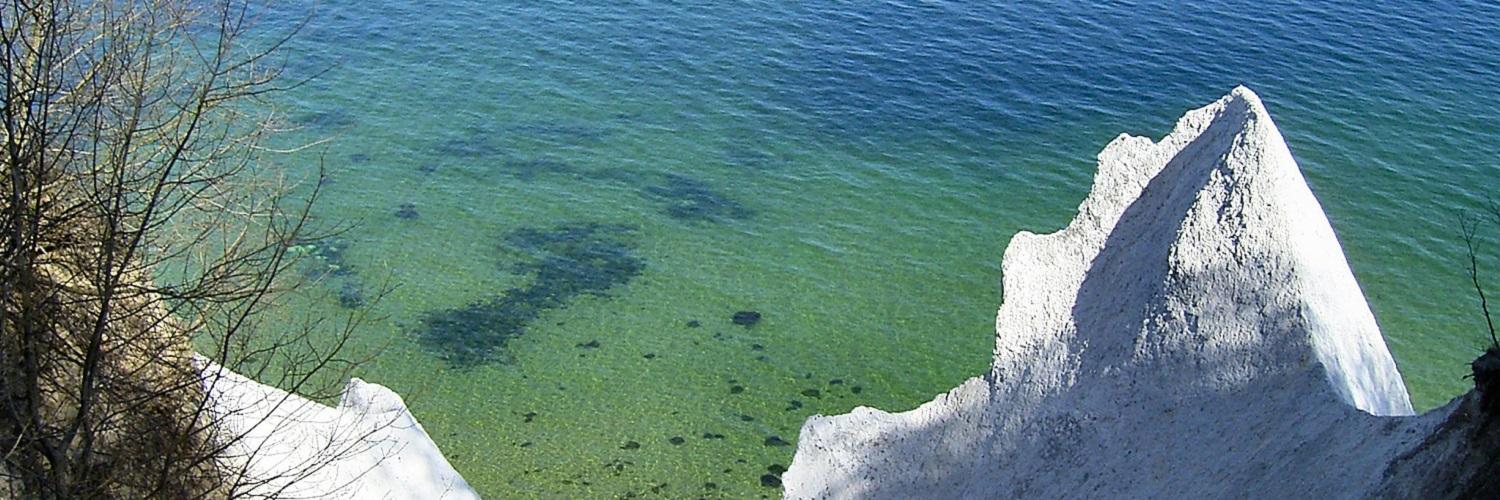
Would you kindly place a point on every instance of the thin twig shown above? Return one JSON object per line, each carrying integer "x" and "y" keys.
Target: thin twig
{"x": 1470, "y": 230}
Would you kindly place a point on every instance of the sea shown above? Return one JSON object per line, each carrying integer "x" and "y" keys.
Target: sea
{"x": 624, "y": 249}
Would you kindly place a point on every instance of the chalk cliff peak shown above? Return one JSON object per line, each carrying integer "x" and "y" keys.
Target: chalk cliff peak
{"x": 1194, "y": 332}
{"x": 1198, "y": 262}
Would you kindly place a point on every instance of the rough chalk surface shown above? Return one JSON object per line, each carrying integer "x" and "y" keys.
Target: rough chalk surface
{"x": 1195, "y": 332}
{"x": 369, "y": 446}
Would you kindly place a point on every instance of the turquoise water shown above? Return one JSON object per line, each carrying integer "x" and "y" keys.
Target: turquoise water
{"x": 850, "y": 170}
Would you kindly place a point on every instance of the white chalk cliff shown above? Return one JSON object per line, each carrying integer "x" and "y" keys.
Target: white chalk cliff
{"x": 1195, "y": 332}
{"x": 370, "y": 446}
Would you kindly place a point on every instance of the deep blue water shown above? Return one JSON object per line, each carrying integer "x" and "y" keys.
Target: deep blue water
{"x": 851, "y": 170}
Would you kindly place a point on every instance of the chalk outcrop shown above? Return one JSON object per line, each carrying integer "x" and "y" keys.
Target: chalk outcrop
{"x": 1195, "y": 332}
{"x": 369, "y": 446}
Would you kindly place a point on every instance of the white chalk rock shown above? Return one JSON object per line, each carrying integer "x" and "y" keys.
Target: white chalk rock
{"x": 370, "y": 446}
{"x": 1195, "y": 332}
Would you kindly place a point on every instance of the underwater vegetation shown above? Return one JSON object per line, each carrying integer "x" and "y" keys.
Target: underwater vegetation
{"x": 529, "y": 169}
{"x": 471, "y": 146}
{"x": 333, "y": 119}
{"x": 564, "y": 262}
{"x": 351, "y": 295}
{"x": 325, "y": 262}
{"x": 561, "y": 132}
{"x": 745, "y": 158}
{"x": 324, "y": 257}
{"x": 682, "y": 197}
{"x": 687, "y": 198}
{"x": 475, "y": 142}
{"x": 482, "y": 141}
{"x": 622, "y": 176}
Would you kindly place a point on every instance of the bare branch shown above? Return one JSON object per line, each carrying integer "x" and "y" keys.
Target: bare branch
{"x": 1470, "y": 228}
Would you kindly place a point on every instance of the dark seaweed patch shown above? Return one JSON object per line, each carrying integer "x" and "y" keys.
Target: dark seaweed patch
{"x": 473, "y": 145}
{"x": 617, "y": 175}
{"x": 564, "y": 262}
{"x": 471, "y": 335}
{"x": 561, "y": 133}
{"x": 687, "y": 198}
{"x": 351, "y": 295}
{"x": 576, "y": 259}
{"x": 335, "y": 119}
{"x": 529, "y": 169}
{"x": 326, "y": 258}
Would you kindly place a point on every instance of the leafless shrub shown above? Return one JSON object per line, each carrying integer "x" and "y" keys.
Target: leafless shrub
{"x": 141, "y": 213}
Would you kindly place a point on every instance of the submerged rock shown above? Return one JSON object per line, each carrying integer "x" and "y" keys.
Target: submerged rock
{"x": 407, "y": 211}
{"x": 1195, "y": 332}
{"x": 746, "y": 318}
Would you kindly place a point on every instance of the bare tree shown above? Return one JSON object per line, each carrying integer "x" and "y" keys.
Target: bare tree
{"x": 140, "y": 215}
{"x": 1485, "y": 370}
{"x": 1470, "y": 228}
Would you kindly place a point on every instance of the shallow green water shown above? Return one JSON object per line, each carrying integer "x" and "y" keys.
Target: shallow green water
{"x": 852, "y": 171}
